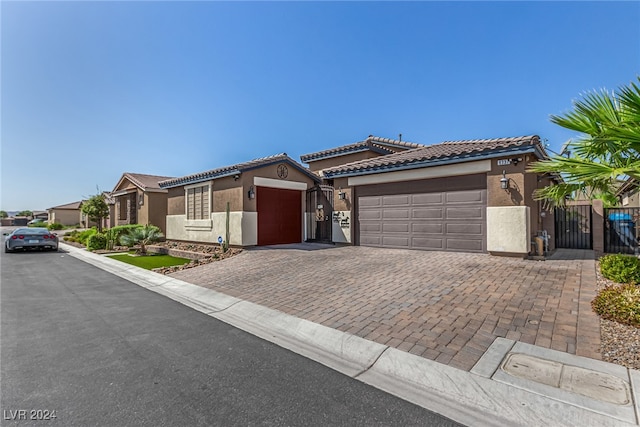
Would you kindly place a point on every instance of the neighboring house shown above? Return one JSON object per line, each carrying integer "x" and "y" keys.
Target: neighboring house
{"x": 266, "y": 200}
{"x": 138, "y": 199}
{"x": 43, "y": 215}
{"x": 68, "y": 214}
{"x": 629, "y": 194}
{"x": 448, "y": 196}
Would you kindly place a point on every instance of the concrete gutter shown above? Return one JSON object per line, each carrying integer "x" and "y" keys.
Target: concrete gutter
{"x": 494, "y": 393}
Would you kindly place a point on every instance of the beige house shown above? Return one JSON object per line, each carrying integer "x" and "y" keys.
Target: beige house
{"x": 629, "y": 194}
{"x": 68, "y": 214}
{"x": 266, "y": 200}
{"x": 138, "y": 199}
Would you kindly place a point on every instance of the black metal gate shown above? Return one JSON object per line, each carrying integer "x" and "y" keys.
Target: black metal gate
{"x": 573, "y": 227}
{"x": 319, "y": 213}
{"x": 622, "y": 230}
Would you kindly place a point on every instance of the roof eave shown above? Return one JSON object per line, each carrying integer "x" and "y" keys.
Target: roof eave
{"x": 430, "y": 163}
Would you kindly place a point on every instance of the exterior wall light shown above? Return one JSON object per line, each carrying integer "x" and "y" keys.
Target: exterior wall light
{"x": 341, "y": 194}
{"x": 251, "y": 193}
{"x": 504, "y": 181}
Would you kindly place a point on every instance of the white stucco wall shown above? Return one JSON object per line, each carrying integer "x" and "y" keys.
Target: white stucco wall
{"x": 508, "y": 229}
{"x": 243, "y": 228}
{"x": 341, "y": 227}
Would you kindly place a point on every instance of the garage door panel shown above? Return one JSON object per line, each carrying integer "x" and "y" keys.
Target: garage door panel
{"x": 465, "y": 196}
{"x": 395, "y": 214}
{"x": 421, "y": 213}
{"x": 403, "y": 200}
{"x": 427, "y": 243}
{"x": 465, "y": 213}
{"x": 427, "y": 227}
{"x": 448, "y": 221}
{"x": 465, "y": 229}
{"x": 368, "y": 215}
{"x": 398, "y": 242}
{"x": 370, "y": 227}
{"x": 390, "y": 227}
{"x": 466, "y": 244}
{"x": 370, "y": 202}
{"x": 370, "y": 241}
{"x": 427, "y": 199}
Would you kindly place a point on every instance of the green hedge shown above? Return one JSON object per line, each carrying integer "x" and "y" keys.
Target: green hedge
{"x": 621, "y": 268}
{"x": 96, "y": 241}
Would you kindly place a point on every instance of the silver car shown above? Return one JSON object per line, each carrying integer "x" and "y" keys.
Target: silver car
{"x": 30, "y": 238}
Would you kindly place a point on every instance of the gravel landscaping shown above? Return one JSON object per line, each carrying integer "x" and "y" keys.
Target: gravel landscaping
{"x": 199, "y": 254}
{"x": 620, "y": 344}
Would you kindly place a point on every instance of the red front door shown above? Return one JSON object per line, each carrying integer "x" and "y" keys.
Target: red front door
{"x": 279, "y": 216}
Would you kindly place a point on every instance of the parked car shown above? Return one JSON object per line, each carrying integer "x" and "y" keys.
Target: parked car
{"x": 30, "y": 238}
{"x": 36, "y": 221}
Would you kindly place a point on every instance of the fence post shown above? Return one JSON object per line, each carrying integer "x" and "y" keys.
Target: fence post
{"x": 597, "y": 222}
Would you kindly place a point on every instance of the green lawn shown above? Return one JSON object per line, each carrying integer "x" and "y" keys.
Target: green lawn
{"x": 150, "y": 261}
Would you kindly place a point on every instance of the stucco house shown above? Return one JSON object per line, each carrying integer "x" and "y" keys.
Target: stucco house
{"x": 629, "y": 194}
{"x": 266, "y": 199}
{"x": 471, "y": 195}
{"x": 67, "y": 214}
{"x": 139, "y": 199}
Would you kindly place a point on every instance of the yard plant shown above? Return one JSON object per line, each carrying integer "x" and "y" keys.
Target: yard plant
{"x": 141, "y": 236}
{"x": 619, "y": 303}
{"x": 621, "y": 268}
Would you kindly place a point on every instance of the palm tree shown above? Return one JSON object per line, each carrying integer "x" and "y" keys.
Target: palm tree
{"x": 607, "y": 150}
{"x": 141, "y": 236}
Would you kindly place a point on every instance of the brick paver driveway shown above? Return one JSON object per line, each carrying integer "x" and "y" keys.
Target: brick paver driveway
{"x": 448, "y": 307}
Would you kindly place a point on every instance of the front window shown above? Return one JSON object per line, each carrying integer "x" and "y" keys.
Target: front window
{"x": 197, "y": 200}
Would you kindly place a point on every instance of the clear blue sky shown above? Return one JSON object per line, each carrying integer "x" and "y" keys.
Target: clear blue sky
{"x": 94, "y": 89}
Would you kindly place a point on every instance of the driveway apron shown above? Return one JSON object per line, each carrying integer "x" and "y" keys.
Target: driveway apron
{"x": 448, "y": 307}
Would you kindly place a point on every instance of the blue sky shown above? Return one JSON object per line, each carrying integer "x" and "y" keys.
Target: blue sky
{"x": 90, "y": 90}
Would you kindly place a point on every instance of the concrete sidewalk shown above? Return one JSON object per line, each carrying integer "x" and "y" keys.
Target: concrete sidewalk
{"x": 513, "y": 383}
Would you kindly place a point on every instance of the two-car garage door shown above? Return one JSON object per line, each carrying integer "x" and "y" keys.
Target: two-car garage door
{"x": 445, "y": 220}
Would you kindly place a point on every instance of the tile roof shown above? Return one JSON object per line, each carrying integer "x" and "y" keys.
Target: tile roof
{"x": 145, "y": 182}
{"x": 442, "y": 153}
{"x": 236, "y": 169}
{"x": 74, "y": 205}
{"x": 372, "y": 143}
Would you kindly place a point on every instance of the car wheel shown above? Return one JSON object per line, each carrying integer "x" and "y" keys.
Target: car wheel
{"x": 6, "y": 249}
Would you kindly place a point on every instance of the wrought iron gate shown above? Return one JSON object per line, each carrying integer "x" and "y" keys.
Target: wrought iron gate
{"x": 319, "y": 213}
{"x": 622, "y": 230}
{"x": 573, "y": 227}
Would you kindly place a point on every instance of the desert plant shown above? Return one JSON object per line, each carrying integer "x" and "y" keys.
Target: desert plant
{"x": 621, "y": 268}
{"x": 55, "y": 226}
{"x": 619, "y": 303}
{"x": 113, "y": 234}
{"x": 96, "y": 241}
{"x": 227, "y": 235}
{"x": 141, "y": 236}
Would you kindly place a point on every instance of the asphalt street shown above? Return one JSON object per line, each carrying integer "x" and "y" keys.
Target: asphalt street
{"x": 94, "y": 349}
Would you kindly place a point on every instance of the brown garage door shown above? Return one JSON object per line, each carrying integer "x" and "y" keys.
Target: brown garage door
{"x": 443, "y": 220}
{"x": 279, "y": 216}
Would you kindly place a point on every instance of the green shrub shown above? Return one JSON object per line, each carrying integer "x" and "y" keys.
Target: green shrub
{"x": 113, "y": 234}
{"x": 621, "y": 268}
{"x": 55, "y": 226}
{"x": 619, "y": 303}
{"x": 83, "y": 236}
{"x": 96, "y": 241}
